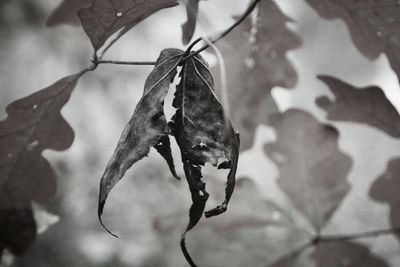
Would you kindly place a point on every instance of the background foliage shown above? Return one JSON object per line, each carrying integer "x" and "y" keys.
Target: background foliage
{"x": 313, "y": 91}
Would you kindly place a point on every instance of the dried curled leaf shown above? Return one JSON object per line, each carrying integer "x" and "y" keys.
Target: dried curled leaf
{"x": 364, "y": 105}
{"x": 105, "y": 17}
{"x": 34, "y": 123}
{"x": 188, "y": 28}
{"x": 199, "y": 126}
{"x": 147, "y": 126}
{"x": 312, "y": 168}
{"x": 203, "y": 137}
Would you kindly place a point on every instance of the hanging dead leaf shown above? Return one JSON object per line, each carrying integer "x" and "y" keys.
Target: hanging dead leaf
{"x": 106, "y": 17}
{"x": 203, "y": 137}
{"x": 364, "y": 105}
{"x": 34, "y": 123}
{"x": 255, "y": 59}
{"x": 373, "y": 25}
{"x": 312, "y": 168}
{"x": 146, "y": 128}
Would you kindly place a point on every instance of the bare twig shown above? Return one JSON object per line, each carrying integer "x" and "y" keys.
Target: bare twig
{"x": 248, "y": 11}
{"x": 333, "y": 238}
{"x": 124, "y": 62}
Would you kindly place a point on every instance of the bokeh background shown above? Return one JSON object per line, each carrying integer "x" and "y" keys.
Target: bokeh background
{"x": 148, "y": 208}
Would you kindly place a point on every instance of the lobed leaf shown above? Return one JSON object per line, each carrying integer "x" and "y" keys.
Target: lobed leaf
{"x": 188, "y": 28}
{"x": 203, "y": 137}
{"x": 364, "y": 105}
{"x": 66, "y": 12}
{"x": 106, "y": 17}
{"x": 373, "y": 25}
{"x": 146, "y": 128}
{"x": 255, "y": 59}
{"x": 34, "y": 123}
{"x": 349, "y": 254}
{"x": 386, "y": 189}
{"x": 312, "y": 168}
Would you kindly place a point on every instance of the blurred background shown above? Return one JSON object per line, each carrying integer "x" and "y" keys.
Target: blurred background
{"x": 149, "y": 208}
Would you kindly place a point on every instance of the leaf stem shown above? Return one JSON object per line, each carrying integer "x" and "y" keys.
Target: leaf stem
{"x": 248, "y": 11}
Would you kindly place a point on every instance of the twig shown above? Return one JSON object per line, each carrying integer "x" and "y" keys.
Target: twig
{"x": 248, "y": 11}
{"x": 333, "y": 238}
{"x": 124, "y": 62}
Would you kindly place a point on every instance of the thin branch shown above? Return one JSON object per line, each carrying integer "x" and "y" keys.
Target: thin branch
{"x": 124, "y": 62}
{"x": 248, "y": 11}
{"x": 333, "y": 238}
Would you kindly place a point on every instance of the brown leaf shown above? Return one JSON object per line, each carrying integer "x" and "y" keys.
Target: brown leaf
{"x": 312, "y": 168}
{"x": 255, "y": 58}
{"x": 34, "y": 123}
{"x": 146, "y": 127}
{"x": 188, "y": 28}
{"x": 364, "y": 105}
{"x": 386, "y": 189}
{"x": 200, "y": 129}
{"x": 105, "y": 17}
{"x": 349, "y": 254}
{"x": 66, "y": 12}
{"x": 373, "y": 25}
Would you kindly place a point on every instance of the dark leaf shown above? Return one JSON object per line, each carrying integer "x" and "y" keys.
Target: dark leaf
{"x": 188, "y": 28}
{"x": 290, "y": 259}
{"x": 203, "y": 137}
{"x": 34, "y": 123}
{"x": 255, "y": 58}
{"x": 365, "y": 105}
{"x": 164, "y": 148}
{"x": 145, "y": 128}
{"x": 312, "y": 168}
{"x": 386, "y": 189}
{"x": 65, "y": 13}
{"x": 349, "y": 254}
{"x": 105, "y": 17}
{"x": 373, "y": 25}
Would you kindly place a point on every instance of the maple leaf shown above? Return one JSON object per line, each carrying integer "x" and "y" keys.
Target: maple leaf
{"x": 188, "y": 28}
{"x": 105, "y": 17}
{"x": 312, "y": 168}
{"x": 386, "y": 189}
{"x": 34, "y": 123}
{"x": 345, "y": 253}
{"x": 147, "y": 126}
{"x": 65, "y": 12}
{"x": 373, "y": 25}
{"x": 255, "y": 59}
{"x": 364, "y": 105}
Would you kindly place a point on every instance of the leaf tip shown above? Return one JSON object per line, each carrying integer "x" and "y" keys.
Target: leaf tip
{"x": 99, "y": 213}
